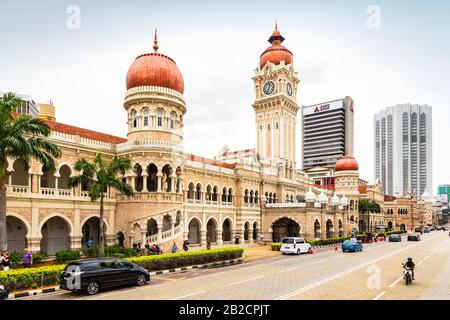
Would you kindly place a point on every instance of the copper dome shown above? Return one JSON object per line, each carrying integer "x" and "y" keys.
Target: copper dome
{"x": 155, "y": 69}
{"x": 346, "y": 163}
{"x": 276, "y": 52}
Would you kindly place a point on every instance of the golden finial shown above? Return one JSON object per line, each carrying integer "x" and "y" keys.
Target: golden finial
{"x": 155, "y": 42}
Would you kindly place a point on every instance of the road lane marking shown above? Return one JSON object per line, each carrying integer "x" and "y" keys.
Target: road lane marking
{"x": 189, "y": 295}
{"x": 243, "y": 281}
{"x": 290, "y": 269}
{"x": 334, "y": 258}
{"x": 396, "y": 281}
{"x": 317, "y": 262}
{"x": 379, "y": 296}
{"x": 419, "y": 263}
{"x": 330, "y": 278}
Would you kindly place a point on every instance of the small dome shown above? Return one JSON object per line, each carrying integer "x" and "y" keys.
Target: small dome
{"x": 155, "y": 69}
{"x": 344, "y": 201}
{"x": 276, "y": 52}
{"x": 346, "y": 163}
{"x": 310, "y": 196}
{"x": 335, "y": 200}
{"x": 322, "y": 198}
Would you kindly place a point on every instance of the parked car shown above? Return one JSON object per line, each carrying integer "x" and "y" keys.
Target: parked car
{"x": 3, "y": 293}
{"x": 352, "y": 245}
{"x": 426, "y": 229}
{"x": 415, "y": 236}
{"x": 438, "y": 228}
{"x": 294, "y": 245}
{"x": 418, "y": 230}
{"x": 93, "y": 275}
{"x": 394, "y": 238}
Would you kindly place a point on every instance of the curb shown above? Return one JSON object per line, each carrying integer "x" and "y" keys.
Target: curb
{"x": 154, "y": 273}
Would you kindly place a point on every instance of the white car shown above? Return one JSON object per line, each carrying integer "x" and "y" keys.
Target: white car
{"x": 294, "y": 245}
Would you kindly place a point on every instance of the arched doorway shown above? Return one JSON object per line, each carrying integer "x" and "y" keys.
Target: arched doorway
{"x": 152, "y": 227}
{"x": 226, "y": 230}
{"x": 255, "y": 231}
{"x": 167, "y": 223}
{"x": 16, "y": 232}
{"x": 120, "y": 238}
{"x": 389, "y": 225}
{"x": 403, "y": 227}
{"x": 330, "y": 229}
{"x": 194, "y": 231}
{"x": 55, "y": 236}
{"x": 246, "y": 230}
{"x": 91, "y": 230}
{"x": 285, "y": 227}
{"x": 211, "y": 230}
{"x": 317, "y": 233}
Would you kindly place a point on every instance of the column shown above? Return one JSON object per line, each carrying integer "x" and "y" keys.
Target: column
{"x": 202, "y": 237}
{"x": 144, "y": 179}
{"x": 144, "y": 237}
{"x": 56, "y": 182}
{"x": 160, "y": 231}
{"x": 219, "y": 237}
{"x": 159, "y": 176}
{"x": 133, "y": 183}
{"x": 172, "y": 183}
{"x": 172, "y": 227}
{"x": 180, "y": 185}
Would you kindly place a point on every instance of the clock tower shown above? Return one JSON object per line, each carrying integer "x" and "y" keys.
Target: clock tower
{"x": 276, "y": 84}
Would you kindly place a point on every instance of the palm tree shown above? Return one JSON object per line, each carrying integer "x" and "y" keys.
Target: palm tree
{"x": 98, "y": 176}
{"x": 22, "y": 137}
{"x": 366, "y": 205}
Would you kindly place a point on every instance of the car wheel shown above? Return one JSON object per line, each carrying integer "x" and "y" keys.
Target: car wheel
{"x": 141, "y": 279}
{"x": 93, "y": 287}
{"x": 299, "y": 252}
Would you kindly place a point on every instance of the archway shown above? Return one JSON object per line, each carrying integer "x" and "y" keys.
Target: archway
{"x": 255, "y": 231}
{"x": 246, "y": 230}
{"x": 138, "y": 179}
{"x": 389, "y": 225}
{"x": 167, "y": 223}
{"x": 47, "y": 179}
{"x": 20, "y": 176}
{"x": 330, "y": 229}
{"x": 167, "y": 178}
{"x": 211, "y": 230}
{"x": 403, "y": 227}
{"x": 317, "y": 233}
{"x": 152, "y": 180}
{"x": 55, "y": 236}
{"x": 91, "y": 230}
{"x": 16, "y": 232}
{"x": 226, "y": 230}
{"x": 64, "y": 174}
{"x": 120, "y": 238}
{"x": 152, "y": 227}
{"x": 285, "y": 227}
{"x": 178, "y": 219}
{"x": 194, "y": 231}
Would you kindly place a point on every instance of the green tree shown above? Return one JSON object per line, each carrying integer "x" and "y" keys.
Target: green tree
{"x": 22, "y": 137}
{"x": 98, "y": 176}
{"x": 367, "y": 206}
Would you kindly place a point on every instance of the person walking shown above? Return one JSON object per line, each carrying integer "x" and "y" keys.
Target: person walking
{"x": 186, "y": 245}
{"x": 174, "y": 248}
{"x": 208, "y": 243}
{"x": 6, "y": 261}
{"x": 27, "y": 258}
{"x": 89, "y": 243}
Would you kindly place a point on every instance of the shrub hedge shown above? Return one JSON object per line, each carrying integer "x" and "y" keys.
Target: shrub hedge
{"x": 111, "y": 251}
{"x": 67, "y": 255}
{"x": 30, "y": 278}
{"x": 276, "y": 246}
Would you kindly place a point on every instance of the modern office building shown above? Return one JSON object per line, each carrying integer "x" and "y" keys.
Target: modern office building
{"x": 28, "y": 105}
{"x": 327, "y": 133}
{"x": 403, "y": 148}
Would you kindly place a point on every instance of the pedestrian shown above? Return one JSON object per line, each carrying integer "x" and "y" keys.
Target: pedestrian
{"x": 1, "y": 260}
{"x": 6, "y": 261}
{"x": 236, "y": 239}
{"x": 174, "y": 248}
{"x": 186, "y": 245}
{"x": 27, "y": 259}
{"x": 208, "y": 243}
{"x": 90, "y": 243}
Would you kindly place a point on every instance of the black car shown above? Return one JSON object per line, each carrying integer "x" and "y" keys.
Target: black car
{"x": 395, "y": 238}
{"x": 3, "y": 293}
{"x": 418, "y": 230}
{"x": 414, "y": 237}
{"x": 93, "y": 275}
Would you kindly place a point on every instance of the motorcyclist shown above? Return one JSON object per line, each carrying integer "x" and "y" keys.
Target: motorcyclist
{"x": 410, "y": 265}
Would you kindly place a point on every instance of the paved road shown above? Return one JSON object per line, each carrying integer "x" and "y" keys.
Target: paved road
{"x": 374, "y": 273}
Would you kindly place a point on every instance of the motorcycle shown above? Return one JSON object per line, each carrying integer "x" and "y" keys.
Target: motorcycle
{"x": 407, "y": 274}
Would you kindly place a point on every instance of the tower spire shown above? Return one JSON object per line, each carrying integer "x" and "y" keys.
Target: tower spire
{"x": 276, "y": 24}
{"x": 155, "y": 42}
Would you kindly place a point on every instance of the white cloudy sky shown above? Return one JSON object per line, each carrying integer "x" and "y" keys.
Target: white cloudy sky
{"x": 216, "y": 45}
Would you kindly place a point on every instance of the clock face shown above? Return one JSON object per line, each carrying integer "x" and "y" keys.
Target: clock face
{"x": 268, "y": 88}
{"x": 289, "y": 89}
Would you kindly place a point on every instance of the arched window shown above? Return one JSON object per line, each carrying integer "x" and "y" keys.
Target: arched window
{"x": 270, "y": 198}
{"x": 224, "y": 194}
{"x": 160, "y": 115}
{"x": 214, "y": 194}
{"x": 246, "y": 196}
{"x": 145, "y": 114}
{"x": 172, "y": 120}
{"x": 134, "y": 118}
{"x": 230, "y": 195}
{"x": 251, "y": 197}
{"x": 274, "y": 200}
{"x": 209, "y": 193}
{"x": 198, "y": 192}
{"x": 191, "y": 191}
{"x": 256, "y": 197}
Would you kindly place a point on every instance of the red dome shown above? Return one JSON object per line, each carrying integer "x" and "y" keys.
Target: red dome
{"x": 155, "y": 69}
{"x": 346, "y": 163}
{"x": 276, "y": 52}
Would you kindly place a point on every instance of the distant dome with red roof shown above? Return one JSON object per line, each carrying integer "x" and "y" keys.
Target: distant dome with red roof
{"x": 155, "y": 69}
{"x": 276, "y": 52}
{"x": 346, "y": 163}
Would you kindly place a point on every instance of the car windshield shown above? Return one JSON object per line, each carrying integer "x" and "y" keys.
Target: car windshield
{"x": 287, "y": 240}
{"x": 350, "y": 241}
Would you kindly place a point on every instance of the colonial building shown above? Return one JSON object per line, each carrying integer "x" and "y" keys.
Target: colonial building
{"x": 256, "y": 194}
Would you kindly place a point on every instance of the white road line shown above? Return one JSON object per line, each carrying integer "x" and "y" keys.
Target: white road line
{"x": 316, "y": 284}
{"x": 396, "y": 281}
{"x": 189, "y": 295}
{"x": 426, "y": 258}
{"x": 246, "y": 280}
{"x": 419, "y": 263}
{"x": 339, "y": 257}
{"x": 290, "y": 269}
{"x": 317, "y": 262}
{"x": 379, "y": 296}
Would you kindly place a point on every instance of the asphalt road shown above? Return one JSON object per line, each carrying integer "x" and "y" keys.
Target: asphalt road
{"x": 375, "y": 273}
